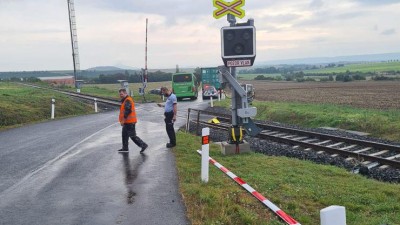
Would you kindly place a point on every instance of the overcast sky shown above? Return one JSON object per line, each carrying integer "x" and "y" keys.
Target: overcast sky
{"x": 34, "y": 34}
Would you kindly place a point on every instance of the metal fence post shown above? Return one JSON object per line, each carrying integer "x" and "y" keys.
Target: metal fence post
{"x": 198, "y": 122}
{"x": 188, "y": 121}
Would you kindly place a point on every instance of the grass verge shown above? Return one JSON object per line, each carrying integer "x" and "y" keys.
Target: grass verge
{"x": 300, "y": 188}
{"x": 379, "y": 123}
{"x": 22, "y": 105}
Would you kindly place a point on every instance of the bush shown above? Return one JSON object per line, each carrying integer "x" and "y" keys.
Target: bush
{"x": 359, "y": 77}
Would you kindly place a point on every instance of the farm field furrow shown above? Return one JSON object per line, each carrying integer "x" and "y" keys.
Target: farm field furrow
{"x": 368, "y": 94}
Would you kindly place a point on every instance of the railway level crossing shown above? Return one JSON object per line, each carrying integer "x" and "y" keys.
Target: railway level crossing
{"x": 238, "y": 49}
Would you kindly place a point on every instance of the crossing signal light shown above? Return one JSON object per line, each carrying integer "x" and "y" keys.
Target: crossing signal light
{"x": 238, "y": 43}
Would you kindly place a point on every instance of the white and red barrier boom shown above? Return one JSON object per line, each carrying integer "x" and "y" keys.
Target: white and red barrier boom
{"x": 289, "y": 220}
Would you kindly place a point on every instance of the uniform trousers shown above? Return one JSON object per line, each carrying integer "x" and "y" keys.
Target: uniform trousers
{"x": 169, "y": 125}
{"x": 129, "y": 130}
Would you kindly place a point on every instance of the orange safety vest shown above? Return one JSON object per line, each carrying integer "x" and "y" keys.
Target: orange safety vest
{"x": 132, "y": 116}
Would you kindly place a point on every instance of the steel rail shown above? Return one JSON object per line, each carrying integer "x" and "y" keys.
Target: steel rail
{"x": 342, "y": 152}
{"x": 318, "y": 135}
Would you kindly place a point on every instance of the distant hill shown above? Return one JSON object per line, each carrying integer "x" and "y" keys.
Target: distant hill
{"x": 337, "y": 59}
{"x": 113, "y": 68}
{"x": 104, "y": 68}
{"x": 121, "y": 66}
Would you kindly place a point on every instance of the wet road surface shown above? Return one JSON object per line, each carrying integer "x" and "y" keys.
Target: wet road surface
{"x": 69, "y": 172}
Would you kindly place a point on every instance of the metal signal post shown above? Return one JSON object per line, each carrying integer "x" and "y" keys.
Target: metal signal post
{"x": 238, "y": 49}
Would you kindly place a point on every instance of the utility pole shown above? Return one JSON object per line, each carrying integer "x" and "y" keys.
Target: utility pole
{"x": 74, "y": 38}
{"x": 145, "y": 72}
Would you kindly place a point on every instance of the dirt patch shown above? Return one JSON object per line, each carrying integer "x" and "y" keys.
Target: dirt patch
{"x": 366, "y": 94}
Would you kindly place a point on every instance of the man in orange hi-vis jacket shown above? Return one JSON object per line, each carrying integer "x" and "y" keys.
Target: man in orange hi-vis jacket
{"x": 128, "y": 120}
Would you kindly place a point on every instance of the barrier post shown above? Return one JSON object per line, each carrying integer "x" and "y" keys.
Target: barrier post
{"x": 205, "y": 152}
{"x": 95, "y": 104}
{"x": 53, "y": 101}
{"x": 188, "y": 121}
{"x": 211, "y": 101}
{"x": 333, "y": 215}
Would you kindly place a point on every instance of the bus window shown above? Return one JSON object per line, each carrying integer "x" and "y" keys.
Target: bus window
{"x": 182, "y": 78}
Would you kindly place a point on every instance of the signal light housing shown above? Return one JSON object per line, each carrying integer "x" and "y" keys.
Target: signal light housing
{"x": 238, "y": 44}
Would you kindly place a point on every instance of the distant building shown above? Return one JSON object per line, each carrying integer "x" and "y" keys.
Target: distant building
{"x": 57, "y": 81}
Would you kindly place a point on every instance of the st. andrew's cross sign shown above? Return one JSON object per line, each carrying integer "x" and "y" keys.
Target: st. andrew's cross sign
{"x": 224, "y": 8}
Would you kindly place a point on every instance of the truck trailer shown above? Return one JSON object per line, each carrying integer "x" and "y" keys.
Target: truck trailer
{"x": 210, "y": 83}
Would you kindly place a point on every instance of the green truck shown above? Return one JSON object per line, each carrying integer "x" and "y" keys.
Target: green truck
{"x": 210, "y": 83}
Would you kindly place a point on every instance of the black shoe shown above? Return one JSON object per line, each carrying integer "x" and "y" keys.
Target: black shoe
{"x": 169, "y": 145}
{"x": 144, "y": 148}
{"x": 123, "y": 150}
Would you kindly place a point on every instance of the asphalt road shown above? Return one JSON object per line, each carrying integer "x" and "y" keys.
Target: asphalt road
{"x": 68, "y": 171}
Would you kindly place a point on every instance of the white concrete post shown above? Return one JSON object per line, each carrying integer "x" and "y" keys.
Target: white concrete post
{"x": 53, "y": 101}
{"x": 95, "y": 104}
{"x": 211, "y": 101}
{"x": 205, "y": 152}
{"x": 163, "y": 98}
{"x": 333, "y": 215}
{"x": 219, "y": 96}
{"x": 78, "y": 90}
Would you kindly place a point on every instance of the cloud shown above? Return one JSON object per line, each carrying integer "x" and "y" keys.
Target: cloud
{"x": 389, "y": 32}
{"x": 316, "y": 4}
{"x": 35, "y": 34}
{"x": 170, "y": 8}
{"x": 377, "y": 2}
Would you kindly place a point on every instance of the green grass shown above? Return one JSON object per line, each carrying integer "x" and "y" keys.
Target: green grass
{"x": 252, "y": 76}
{"x": 364, "y": 67}
{"x": 300, "y": 188}
{"x": 111, "y": 90}
{"x": 21, "y": 105}
{"x": 379, "y": 123}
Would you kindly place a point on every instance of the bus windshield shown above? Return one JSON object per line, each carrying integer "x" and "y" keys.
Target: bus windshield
{"x": 182, "y": 78}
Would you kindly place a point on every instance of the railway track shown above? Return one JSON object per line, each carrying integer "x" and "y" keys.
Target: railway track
{"x": 368, "y": 153}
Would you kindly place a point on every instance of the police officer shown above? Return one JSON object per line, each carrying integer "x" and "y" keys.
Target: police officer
{"x": 128, "y": 120}
{"x": 170, "y": 115}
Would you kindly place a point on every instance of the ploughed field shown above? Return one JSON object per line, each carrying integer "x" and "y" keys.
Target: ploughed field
{"x": 363, "y": 94}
